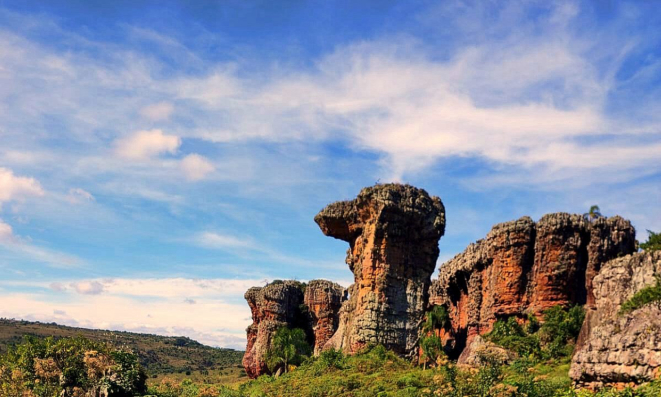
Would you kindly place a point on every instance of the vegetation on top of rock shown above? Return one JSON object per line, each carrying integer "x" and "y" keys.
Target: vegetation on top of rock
{"x": 653, "y": 242}
{"x": 593, "y": 213}
{"x": 69, "y": 367}
{"x": 645, "y": 296}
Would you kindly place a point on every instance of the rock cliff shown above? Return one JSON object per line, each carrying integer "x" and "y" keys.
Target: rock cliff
{"x": 393, "y": 232}
{"x": 523, "y": 268}
{"x": 273, "y": 306}
{"x": 313, "y": 307}
{"x": 618, "y": 349}
{"x": 323, "y": 300}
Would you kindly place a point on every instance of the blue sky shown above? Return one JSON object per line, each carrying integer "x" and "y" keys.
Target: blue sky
{"x": 163, "y": 156}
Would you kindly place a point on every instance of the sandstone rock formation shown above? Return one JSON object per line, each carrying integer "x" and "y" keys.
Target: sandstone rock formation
{"x": 522, "y": 267}
{"x": 393, "y": 232}
{"x": 617, "y": 349}
{"x": 323, "y": 300}
{"x": 284, "y": 303}
{"x": 273, "y": 306}
{"x": 481, "y": 349}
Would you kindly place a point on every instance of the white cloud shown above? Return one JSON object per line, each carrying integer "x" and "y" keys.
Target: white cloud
{"x": 88, "y": 287}
{"x": 16, "y": 187}
{"x": 218, "y": 316}
{"x": 78, "y": 195}
{"x": 143, "y": 145}
{"x": 158, "y": 111}
{"x": 196, "y": 167}
{"x": 223, "y": 241}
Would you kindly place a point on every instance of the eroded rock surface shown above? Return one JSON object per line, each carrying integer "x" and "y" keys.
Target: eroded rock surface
{"x": 393, "y": 232}
{"x": 273, "y": 306}
{"x": 481, "y": 352}
{"x": 323, "y": 300}
{"x": 618, "y": 349}
{"x": 523, "y": 267}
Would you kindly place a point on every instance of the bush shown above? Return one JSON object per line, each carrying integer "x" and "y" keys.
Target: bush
{"x": 560, "y": 330}
{"x": 643, "y": 297}
{"x": 553, "y": 339}
{"x": 332, "y": 359}
{"x": 69, "y": 366}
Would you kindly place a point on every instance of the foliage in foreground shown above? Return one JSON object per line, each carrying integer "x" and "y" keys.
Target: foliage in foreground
{"x": 380, "y": 373}
{"x": 69, "y": 367}
{"x": 645, "y": 296}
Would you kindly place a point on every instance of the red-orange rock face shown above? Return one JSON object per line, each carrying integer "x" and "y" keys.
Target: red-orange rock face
{"x": 323, "y": 300}
{"x": 273, "y": 306}
{"x": 522, "y": 267}
{"x": 393, "y": 232}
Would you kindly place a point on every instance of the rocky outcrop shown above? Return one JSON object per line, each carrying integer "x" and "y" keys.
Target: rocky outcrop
{"x": 393, "y": 232}
{"x": 273, "y": 306}
{"x": 620, "y": 349}
{"x": 323, "y": 300}
{"x": 523, "y": 268}
{"x": 481, "y": 352}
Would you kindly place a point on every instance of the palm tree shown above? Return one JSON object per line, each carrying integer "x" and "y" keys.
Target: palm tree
{"x": 288, "y": 347}
{"x": 432, "y": 349}
{"x": 593, "y": 214}
{"x": 437, "y": 318}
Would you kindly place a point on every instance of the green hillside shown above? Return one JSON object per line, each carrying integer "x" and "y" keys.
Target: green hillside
{"x": 157, "y": 354}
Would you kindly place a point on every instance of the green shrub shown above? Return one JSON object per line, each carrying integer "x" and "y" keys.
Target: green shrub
{"x": 512, "y": 336}
{"x": 45, "y": 367}
{"x": 332, "y": 359}
{"x": 560, "y": 330}
{"x": 554, "y": 338}
{"x": 653, "y": 242}
{"x": 643, "y": 297}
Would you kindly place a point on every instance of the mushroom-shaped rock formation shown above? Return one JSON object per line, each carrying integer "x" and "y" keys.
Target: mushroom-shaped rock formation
{"x": 393, "y": 232}
{"x": 620, "y": 349}
{"x": 522, "y": 267}
{"x": 323, "y": 300}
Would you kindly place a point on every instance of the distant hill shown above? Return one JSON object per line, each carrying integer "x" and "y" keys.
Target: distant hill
{"x": 158, "y": 354}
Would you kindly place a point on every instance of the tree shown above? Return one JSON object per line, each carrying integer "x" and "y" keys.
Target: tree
{"x": 653, "y": 242}
{"x": 437, "y": 318}
{"x": 432, "y": 349}
{"x": 288, "y": 347}
{"x": 593, "y": 214}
